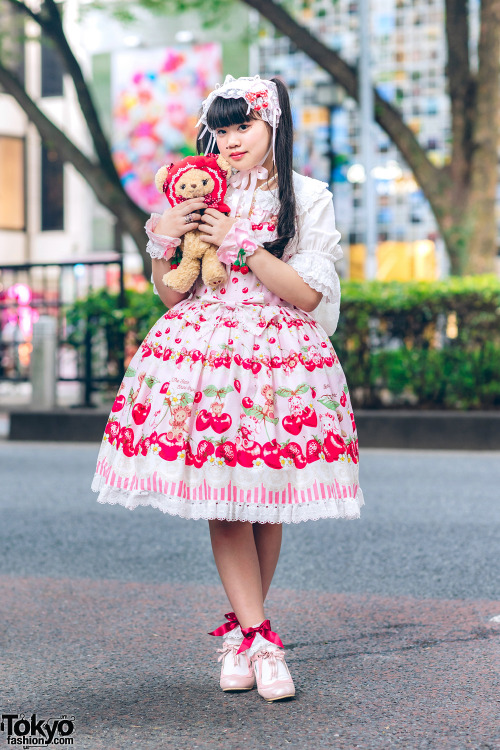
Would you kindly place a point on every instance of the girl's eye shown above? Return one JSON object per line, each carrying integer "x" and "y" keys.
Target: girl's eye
{"x": 243, "y": 125}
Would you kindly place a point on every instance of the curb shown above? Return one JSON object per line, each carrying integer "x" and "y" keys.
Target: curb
{"x": 436, "y": 430}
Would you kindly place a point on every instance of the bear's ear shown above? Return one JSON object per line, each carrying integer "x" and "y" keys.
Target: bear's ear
{"x": 160, "y": 178}
{"x": 223, "y": 164}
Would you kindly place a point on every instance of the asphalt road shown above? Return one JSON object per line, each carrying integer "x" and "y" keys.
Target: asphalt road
{"x": 388, "y": 621}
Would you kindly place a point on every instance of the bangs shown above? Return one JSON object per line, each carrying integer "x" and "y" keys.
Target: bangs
{"x": 225, "y": 112}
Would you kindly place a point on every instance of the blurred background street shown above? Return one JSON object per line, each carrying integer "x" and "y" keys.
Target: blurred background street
{"x": 392, "y": 622}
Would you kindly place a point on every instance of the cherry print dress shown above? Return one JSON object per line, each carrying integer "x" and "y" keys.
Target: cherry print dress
{"x": 235, "y": 406}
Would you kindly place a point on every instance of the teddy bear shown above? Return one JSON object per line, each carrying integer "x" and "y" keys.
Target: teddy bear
{"x": 196, "y": 177}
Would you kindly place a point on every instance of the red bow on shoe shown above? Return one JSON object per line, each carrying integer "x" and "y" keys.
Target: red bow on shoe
{"x": 223, "y": 629}
{"x": 265, "y": 630}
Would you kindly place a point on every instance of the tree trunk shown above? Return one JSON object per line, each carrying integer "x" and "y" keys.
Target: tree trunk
{"x": 109, "y": 192}
{"x": 462, "y": 195}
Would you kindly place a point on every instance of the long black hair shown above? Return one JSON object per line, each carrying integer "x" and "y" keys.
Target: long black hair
{"x": 225, "y": 112}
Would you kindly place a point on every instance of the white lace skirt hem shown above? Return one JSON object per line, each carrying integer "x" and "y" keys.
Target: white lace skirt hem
{"x": 230, "y": 510}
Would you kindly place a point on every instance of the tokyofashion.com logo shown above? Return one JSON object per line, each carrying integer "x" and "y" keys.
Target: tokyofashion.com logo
{"x": 32, "y": 732}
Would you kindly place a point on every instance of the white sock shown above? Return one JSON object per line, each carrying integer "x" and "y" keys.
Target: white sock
{"x": 259, "y": 642}
{"x": 234, "y": 636}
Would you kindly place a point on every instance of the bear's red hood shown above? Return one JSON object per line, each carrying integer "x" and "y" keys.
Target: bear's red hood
{"x": 208, "y": 164}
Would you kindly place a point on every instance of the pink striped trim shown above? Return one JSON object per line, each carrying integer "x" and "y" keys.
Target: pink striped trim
{"x": 257, "y": 495}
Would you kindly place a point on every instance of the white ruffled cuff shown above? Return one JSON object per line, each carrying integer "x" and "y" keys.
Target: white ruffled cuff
{"x": 159, "y": 245}
{"x": 318, "y": 270}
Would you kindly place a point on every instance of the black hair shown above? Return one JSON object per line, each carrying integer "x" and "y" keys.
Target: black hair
{"x": 224, "y": 112}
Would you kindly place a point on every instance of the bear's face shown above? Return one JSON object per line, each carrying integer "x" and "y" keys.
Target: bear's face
{"x": 195, "y": 183}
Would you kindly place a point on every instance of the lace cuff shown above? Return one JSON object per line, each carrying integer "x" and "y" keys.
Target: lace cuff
{"x": 239, "y": 237}
{"x": 159, "y": 245}
{"x": 319, "y": 272}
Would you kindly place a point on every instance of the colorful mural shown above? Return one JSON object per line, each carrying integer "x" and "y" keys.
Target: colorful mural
{"x": 156, "y": 95}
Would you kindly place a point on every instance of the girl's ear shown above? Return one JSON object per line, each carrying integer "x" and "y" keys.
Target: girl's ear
{"x": 160, "y": 178}
{"x": 223, "y": 164}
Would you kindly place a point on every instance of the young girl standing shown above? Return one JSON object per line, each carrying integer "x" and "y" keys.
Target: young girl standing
{"x": 235, "y": 408}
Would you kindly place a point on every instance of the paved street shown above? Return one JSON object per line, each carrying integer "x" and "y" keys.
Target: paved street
{"x": 387, "y": 620}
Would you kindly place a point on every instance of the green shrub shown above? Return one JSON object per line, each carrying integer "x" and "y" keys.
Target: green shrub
{"x": 412, "y": 344}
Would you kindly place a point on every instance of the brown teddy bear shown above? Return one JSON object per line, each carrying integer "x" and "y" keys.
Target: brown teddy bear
{"x": 196, "y": 177}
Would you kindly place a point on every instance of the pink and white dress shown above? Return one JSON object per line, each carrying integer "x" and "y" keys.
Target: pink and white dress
{"x": 235, "y": 406}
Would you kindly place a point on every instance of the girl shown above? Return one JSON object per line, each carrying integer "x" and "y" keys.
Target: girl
{"x": 235, "y": 408}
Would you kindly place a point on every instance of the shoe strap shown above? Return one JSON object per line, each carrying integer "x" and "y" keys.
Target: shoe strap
{"x": 272, "y": 655}
{"x": 228, "y": 648}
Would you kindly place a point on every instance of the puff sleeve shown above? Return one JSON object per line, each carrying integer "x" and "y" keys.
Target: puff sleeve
{"x": 315, "y": 253}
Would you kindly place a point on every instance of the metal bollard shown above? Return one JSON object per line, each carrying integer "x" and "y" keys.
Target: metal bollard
{"x": 43, "y": 371}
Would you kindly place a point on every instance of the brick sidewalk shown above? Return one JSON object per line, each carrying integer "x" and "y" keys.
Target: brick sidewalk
{"x": 133, "y": 664}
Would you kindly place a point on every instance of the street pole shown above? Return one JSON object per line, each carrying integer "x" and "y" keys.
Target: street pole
{"x": 366, "y": 115}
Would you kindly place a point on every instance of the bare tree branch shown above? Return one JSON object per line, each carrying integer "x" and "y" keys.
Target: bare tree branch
{"x": 50, "y": 21}
{"x": 426, "y": 173}
{"x": 106, "y": 190}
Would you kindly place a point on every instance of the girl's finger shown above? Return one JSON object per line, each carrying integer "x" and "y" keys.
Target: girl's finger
{"x": 192, "y": 204}
{"x": 209, "y": 220}
{"x": 206, "y": 238}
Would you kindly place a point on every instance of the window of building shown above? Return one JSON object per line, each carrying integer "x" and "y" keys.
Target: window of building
{"x": 52, "y": 175}
{"x": 52, "y": 69}
{"x": 12, "y": 183}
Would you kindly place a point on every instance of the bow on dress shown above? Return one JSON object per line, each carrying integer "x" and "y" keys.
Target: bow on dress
{"x": 244, "y": 182}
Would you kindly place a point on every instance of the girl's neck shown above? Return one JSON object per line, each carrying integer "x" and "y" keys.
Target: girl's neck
{"x": 272, "y": 174}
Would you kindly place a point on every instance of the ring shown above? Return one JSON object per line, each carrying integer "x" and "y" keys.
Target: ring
{"x": 189, "y": 218}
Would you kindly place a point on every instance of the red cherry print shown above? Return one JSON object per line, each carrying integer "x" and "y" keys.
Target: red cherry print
{"x": 244, "y": 270}
{"x": 245, "y": 289}
{"x": 119, "y": 403}
{"x": 235, "y": 280}
{"x": 230, "y": 342}
{"x": 256, "y": 366}
{"x": 164, "y": 387}
{"x": 237, "y": 385}
{"x": 247, "y": 402}
{"x": 167, "y": 330}
{"x": 256, "y": 347}
{"x": 343, "y": 399}
{"x": 324, "y": 344}
{"x": 140, "y": 413}
{"x": 222, "y": 423}
{"x": 177, "y": 341}
{"x": 197, "y": 397}
{"x": 306, "y": 337}
{"x": 260, "y": 226}
{"x": 271, "y": 454}
{"x": 292, "y": 424}
{"x": 222, "y": 291}
{"x": 271, "y": 227}
{"x": 158, "y": 333}
{"x": 272, "y": 341}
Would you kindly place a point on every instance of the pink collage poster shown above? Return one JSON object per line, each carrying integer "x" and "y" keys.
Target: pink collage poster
{"x": 156, "y": 96}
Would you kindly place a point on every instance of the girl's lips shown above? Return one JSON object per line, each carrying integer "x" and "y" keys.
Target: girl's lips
{"x": 237, "y": 156}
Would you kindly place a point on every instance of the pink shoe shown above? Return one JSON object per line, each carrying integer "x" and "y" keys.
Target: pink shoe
{"x": 274, "y": 681}
{"x": 236, "y": 672}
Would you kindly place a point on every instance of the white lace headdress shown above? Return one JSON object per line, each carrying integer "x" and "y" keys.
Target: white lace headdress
{"x": 260, "y": 95}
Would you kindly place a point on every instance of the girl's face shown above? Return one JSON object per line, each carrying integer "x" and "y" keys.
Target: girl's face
{"x": 245, "y": 145}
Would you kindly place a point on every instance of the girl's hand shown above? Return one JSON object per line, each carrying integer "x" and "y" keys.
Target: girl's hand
{"x": 173, "y": 220}
{"x": 214, "y": 226}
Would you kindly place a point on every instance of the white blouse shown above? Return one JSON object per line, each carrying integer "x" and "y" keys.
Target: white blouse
{"x": 314, "y": 249}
